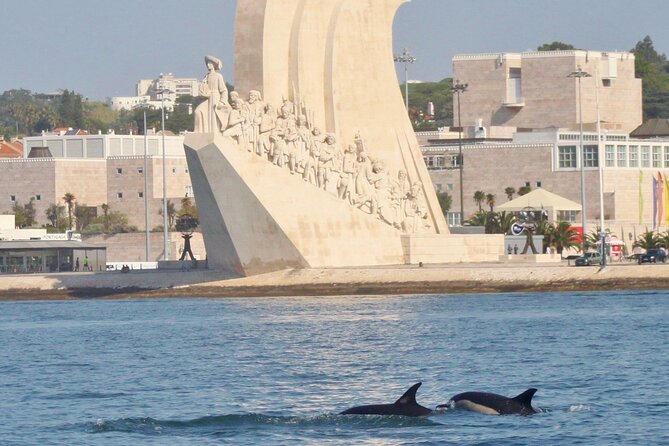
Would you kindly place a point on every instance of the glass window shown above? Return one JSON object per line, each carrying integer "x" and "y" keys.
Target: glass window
{"x": 140, "y": 170}
{"x": 566, "y": 157}
{"x": 610, "y": 156}
{"x": 657, "y": 156}
{"x": 645, "y": 156}
{"x": 634, "y": 156}
{"x": 119, "y": 170}
{"x": 38, "y": 197}
{"x": 591, "y": 154}
{"x": 568, "y": 216}
{"x": 453, "y": 218}
{"x": 12, "y": 198}
{"x": 666, "y": 156}
{"x": 622, "y": 156}
{"x": 140, "y": 194}
{"x": 119, "y": 194}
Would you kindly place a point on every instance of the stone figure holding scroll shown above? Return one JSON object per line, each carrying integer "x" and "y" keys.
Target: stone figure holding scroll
{"x": 212, "y": 114}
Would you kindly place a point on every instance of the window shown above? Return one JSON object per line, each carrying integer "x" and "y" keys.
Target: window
{"x": 566, "y": 158}
{"x": 453, "y": 218}
{"x": 634, "y": 156}
{"x": 666, "y": 156}
{"x": 119, "y": 170}
{"x": 657, "y": 156}
{"x": 449, "y": 186}
{"x": 12, "y": 198}
{"x": 38, "y": 197}
{"x": 527, "y": 184}
{"x": 610, "y": 156}
{"x": 591, "y": 154}
{"x": 119, "y": 194}
{"x": 455, "y": 161}
{"x": 606, "y": 82}
{"x": 645, "y": 156}
{"x": 174, "y": 170}
{"x": 189, "y": 191}
{"x": 439, "y": 187}
{"x": 538, "y": 183}
{"x": 186, "y": 170}
{"x": 622, "y": 156}
{"x": 568, "y": 216}
{"x": 140, "y": 170}
{"x": 140, "y": 194}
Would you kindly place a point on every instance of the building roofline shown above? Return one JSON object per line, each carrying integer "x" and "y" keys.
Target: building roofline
{"x": 541, "y": 54}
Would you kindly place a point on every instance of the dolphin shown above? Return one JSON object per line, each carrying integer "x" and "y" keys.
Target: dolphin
{"x": 406, "y": 406}
{"x": 493, "y": 404}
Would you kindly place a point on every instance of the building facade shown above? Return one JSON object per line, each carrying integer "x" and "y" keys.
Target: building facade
{"x": 533, "y": 90}
{"x": 98, "y": 169}
{"x": 631, "y": 171}
{"x": 150, "y": 92}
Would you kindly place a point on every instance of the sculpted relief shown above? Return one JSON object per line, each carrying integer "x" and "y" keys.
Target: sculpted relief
{"x": 287, "y": 138}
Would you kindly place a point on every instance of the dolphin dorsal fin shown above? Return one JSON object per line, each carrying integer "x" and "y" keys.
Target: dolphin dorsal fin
{"x": 409, "y": 396}
{"x": 525, "y": 398}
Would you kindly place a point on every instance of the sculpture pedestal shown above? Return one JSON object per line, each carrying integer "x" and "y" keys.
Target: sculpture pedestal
{"x": 257, "y": 217}
{"x": 452, "y": 248}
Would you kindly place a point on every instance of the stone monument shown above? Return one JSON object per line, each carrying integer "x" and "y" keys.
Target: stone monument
{"x": 312, "y": 160}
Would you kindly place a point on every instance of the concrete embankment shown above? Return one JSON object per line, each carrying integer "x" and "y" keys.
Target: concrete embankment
{"x": 470, "y": 278}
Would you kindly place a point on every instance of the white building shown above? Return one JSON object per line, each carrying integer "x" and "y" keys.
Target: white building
{"x": 149, "y": 92}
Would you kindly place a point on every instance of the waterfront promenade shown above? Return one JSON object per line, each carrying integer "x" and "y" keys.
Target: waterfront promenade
{"x": 401, "y": 279}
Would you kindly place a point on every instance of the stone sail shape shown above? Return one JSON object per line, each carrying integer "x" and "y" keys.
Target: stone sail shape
{"x": 258, "y": 218}
{"x": 334, "y": 57}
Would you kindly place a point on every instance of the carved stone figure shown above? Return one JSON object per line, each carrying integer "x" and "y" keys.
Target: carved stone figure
{"x": 326, "y": 161}
{"x": 255, "y": 110}
{"x": 310, "y": 173}
{"x": 363, "y": 178}
{"x": 235, "y": 127}
{"x": 284, "y": 133}
{"x": 267, "y": 124}
{"x": 349, "y": 168}
{"x": 212, "y": 114}
{"x": 415, "y": 211}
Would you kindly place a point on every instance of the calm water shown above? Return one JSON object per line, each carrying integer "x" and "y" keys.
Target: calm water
{"x": 276, "y": 371}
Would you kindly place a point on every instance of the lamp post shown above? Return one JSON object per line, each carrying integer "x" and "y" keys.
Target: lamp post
{"x": 146, "y": 190}
{"x": 406, "y": 58}
{"x": 162, "y": 128}
{"x": 579, "y": 74}
{"x": 458, "y": 88}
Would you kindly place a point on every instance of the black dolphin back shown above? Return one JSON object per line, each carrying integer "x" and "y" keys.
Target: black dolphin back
{"x": 409, "y": 396}
{"x": 525, "y": 398}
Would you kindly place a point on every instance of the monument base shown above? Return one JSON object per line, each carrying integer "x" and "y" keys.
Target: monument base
{"x": 452, "y": 248}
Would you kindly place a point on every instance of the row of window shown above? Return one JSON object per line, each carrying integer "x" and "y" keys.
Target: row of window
{"x": 637, "y": 156}
{"x": 140, "y": 170}
{"x": 37, "y": 197}
{"x": 442, "y": 161}
{"x": 568, "y": 156}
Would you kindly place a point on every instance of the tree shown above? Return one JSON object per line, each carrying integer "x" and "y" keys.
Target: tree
{"x": 556, "y": 46}
{"x": 84, "y": 216}
{"x": 171, "y": 213}
{"x": 24, "y": 214}
{"x": 71, "y": 110}
{"x": 69, "y": 199}
{"x": 54, "y": 213}
{"x": 490, "y": 201}
{"x": 479, "y": 198}
{"x": 509, "y": 191}
{"x": 561, "y": 236}
{"x": 524, "y": 190}
{"x": 653, "y": 69}
{"x": 647, "y": 240}
{"x": 105, "y": 216}
{"x": 445, "y": 201}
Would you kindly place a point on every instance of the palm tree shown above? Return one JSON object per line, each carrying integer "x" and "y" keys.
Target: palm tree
{"x": 561, "y": 235}
{"x": 509, "y": 191}
{"x": 505, "y": 221}
{"x": 171, "y": 213}
{"x": 105, "y": 213}
{"x": 490, "y": 201}
{"x": 53, "y": 213}
{"x": 524, "y": 190}
{"x": 479, "y": 198}
{"x": 69, "y": 199}
{"x": 647, "y": 240}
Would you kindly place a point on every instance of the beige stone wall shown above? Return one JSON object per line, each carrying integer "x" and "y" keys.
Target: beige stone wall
{"x": 550, "y": 97}
{"x": 27, "y": 178}
{"x": 132, "y": 247}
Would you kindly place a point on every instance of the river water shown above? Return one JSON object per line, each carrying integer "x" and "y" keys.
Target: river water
{"x": 277, "y": 371}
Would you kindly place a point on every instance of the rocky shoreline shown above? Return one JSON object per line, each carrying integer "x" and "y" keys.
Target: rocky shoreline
{"x": 394, "y": 280}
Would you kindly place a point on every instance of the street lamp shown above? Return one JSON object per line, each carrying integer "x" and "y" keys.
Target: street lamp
{"x": 579, "y": 74}
{"x": 406, "y": 58}
{"x": 162, "y": 128}
{"x": 458, "y": 88}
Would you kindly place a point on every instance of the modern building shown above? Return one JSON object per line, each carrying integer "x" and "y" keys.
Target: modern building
{"x": 533, "y": 90}
{"x": 631, "y": 171}
{"x": 97, "y": 169}
{"x": 35, "y": 251}
{"x": 150, "y": 92}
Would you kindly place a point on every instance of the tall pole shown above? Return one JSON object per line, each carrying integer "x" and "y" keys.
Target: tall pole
{"x": 165, "y": 254}
{"x": 406, "y": 58}
{"x": 458, "y": 88}
{"x": 600, "y": 164}
{"x": 146, "y": 190}
{"x": 578, "y": 74}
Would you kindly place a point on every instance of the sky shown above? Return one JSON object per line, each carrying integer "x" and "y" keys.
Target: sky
{"x": 101, "y": 48}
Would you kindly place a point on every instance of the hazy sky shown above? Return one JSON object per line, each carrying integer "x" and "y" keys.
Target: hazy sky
{"x": 101, "y": 48}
